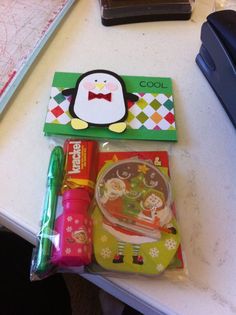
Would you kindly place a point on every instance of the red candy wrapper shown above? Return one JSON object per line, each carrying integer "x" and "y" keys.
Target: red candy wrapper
{"x": 80, "y": 165}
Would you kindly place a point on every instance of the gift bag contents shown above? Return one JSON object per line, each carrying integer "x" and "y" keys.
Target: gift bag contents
{"x": 134, "y": 226}
{"x": 74, "y": 230}
{"x": 41, "y": 261}
{"x": 74, "y": 225}
{"x": 135, "y": 194}
{"x": 80, "y": 165}
{"x": 65, "y": 238}
{"x": 110, "y": 209}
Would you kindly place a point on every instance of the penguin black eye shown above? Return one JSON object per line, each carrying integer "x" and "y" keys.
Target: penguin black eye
{"x": 96, "y": 80}
{"x": 105, "y": 81}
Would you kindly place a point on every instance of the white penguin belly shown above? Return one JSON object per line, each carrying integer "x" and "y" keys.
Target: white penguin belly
{"x": 98, "y": 111}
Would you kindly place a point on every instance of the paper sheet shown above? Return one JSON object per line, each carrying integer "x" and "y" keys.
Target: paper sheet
{"x": 25, "y": 25}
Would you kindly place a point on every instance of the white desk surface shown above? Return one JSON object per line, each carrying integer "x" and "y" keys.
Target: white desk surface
{"x": 203, "y": 164}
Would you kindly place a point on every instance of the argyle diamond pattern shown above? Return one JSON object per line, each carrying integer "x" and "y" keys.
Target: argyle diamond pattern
{"x": 151, "y": 111}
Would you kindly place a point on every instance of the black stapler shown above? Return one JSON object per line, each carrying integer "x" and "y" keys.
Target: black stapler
{"x": 217, "y": 57}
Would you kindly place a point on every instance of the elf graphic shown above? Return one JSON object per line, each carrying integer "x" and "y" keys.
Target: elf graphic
{"x": 154, "y": 208}
{"x": 79, "y": 236}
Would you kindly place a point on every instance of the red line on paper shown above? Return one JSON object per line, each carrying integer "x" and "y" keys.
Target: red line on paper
{"x": 11, "y": 76}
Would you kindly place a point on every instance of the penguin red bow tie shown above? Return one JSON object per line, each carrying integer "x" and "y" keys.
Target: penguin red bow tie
{"x": 106, "y": 97}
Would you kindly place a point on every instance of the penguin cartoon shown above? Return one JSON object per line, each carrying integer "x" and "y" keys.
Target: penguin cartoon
{"x": 99, "y": 99}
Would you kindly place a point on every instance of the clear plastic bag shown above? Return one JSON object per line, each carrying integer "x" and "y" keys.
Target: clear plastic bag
{"x": 108, "y": 210}
{"x": 65, "y": 237}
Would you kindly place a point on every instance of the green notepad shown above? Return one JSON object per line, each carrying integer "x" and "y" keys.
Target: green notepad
{"x": 151, "y": 117}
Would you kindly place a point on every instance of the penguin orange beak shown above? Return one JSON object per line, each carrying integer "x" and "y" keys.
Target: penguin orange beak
{"x": 99, "y": 85}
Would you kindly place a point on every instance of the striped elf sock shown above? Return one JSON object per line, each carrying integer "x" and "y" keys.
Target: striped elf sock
{"x": 121, "y": 247}
{"x": 136, "y": 248}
